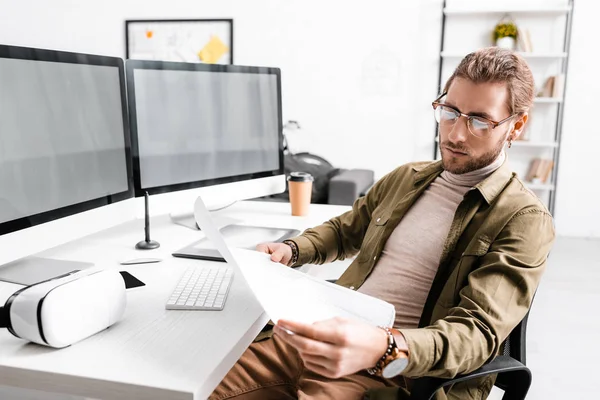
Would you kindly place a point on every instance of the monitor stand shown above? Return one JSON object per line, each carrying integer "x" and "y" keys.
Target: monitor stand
{"x": 31, "y": 270}
{"x": 147, "y": 243}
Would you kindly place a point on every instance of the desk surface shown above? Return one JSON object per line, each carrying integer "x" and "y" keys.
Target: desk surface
{"x": 152, "y": 353}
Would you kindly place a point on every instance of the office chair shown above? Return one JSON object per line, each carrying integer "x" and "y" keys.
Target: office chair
{"x": 513, "y": 376}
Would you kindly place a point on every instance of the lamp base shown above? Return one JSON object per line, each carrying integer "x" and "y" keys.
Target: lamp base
{"x": 147, "y": 245}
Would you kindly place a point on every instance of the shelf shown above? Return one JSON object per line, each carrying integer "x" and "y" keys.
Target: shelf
{"x": 523, "y": 10}
{"x": 526, "y": 143}
{"x": 544, "y": 15}
{"x": 540, "y": 186}
{"x": 446, "y": 54}
{"x": 547, "y": 100}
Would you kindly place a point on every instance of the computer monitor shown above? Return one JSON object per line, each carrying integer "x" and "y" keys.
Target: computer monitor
{"x": 65, "y": 145}
{"x": 215, "y": 128}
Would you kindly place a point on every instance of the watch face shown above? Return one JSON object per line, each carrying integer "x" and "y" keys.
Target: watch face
{"x": 394, "y": 368}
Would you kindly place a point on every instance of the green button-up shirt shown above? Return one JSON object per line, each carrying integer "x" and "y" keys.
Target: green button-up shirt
{"x": 490, "y": 267}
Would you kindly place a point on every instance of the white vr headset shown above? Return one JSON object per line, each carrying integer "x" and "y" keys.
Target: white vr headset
{"x": 66, "y": 309}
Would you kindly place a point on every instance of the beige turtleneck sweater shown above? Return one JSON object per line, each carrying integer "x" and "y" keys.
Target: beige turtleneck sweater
{"x": 410, "y": 259}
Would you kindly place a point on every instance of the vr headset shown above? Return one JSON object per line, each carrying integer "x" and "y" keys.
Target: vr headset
{"x": 66, "y": 309}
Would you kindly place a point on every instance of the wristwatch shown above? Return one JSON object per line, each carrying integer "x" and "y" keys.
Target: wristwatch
{"x": 295, "y": 252}
{"x": 393, "y": 361}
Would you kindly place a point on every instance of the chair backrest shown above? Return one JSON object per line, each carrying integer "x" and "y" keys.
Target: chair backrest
{"x": 515, "y": 344}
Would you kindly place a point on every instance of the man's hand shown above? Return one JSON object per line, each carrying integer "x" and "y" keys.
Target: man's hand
{"x": 336, "y": 347}
{"x": 280, "y": 252}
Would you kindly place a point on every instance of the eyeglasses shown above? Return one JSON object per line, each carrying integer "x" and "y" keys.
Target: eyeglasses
{"x": 447, "y": 116}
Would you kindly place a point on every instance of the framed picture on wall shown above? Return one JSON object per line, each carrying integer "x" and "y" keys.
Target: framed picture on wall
{"x": 186, "y": 40}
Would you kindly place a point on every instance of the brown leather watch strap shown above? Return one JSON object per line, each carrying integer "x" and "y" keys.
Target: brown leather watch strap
{"x": 400, "y": 341}
{"x": 393, "y": 352}
{"x": 295, "y": 252}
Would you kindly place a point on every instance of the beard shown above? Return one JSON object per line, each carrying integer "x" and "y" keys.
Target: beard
{"x": 472, "y": 164}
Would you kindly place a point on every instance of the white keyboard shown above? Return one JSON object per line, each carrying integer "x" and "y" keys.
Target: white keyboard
{"x": 201, "y": 288}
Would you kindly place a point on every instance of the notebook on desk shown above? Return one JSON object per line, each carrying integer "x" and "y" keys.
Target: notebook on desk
{"x": 285, "y": 293}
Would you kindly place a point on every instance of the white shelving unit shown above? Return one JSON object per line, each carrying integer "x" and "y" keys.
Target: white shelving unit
{"x": 515, "y": 10}
{"x": 468, "y": 24}
{"x": 540, "y": 186}
{"x": 549, "y": 100}
{"x": 527, "y": 143}
{"x": 526, "y": 55}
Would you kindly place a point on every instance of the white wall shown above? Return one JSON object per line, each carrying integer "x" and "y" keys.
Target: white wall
{"x": 350, "y": 70}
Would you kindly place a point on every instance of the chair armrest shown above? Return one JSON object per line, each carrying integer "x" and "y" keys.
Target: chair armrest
{"x": 347, "y": 186}
{"x": 516, "y": 379}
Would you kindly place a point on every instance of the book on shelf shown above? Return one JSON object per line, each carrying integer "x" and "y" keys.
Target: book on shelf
{"x": 547, "y": 170}
{"x": 558, "y": 87}
{"x": 548, "y": 87}
{"x": 532, "y": 170}
{"x": 524, "y": 40}
{"x": 553, "y": 87}
{"x": 540, "y": 170}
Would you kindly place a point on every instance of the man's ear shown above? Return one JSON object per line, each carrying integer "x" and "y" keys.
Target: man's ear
{"x": 519, "y": 126}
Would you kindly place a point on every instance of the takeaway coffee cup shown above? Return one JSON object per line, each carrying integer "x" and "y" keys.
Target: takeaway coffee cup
{"x": 300, "y": 187}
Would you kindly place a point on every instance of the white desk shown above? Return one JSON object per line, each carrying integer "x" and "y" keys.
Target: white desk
{"x": 153, "y": 353}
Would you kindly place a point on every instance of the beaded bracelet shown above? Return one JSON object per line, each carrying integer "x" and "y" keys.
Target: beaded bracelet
{"x": 295, "y": 252}
{"x": 376, "y": 370}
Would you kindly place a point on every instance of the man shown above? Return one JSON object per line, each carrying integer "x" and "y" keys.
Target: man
{"x": 457, "y": 246}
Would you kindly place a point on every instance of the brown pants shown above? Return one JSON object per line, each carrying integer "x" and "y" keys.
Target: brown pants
{"x": 272, "y": 369}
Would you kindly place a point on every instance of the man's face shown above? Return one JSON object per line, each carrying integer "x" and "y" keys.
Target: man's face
{"x": 463, "y": 152}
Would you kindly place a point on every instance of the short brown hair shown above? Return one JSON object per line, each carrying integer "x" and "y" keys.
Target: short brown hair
{"x": 495, "y": 64}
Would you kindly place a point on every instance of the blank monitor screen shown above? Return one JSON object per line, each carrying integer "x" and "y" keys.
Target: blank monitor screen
{"x": 63, "y": 135}
{"x": 198, "y": 125}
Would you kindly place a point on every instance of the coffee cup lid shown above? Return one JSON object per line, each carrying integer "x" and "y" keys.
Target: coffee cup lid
{"x": 300, "y": 177}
